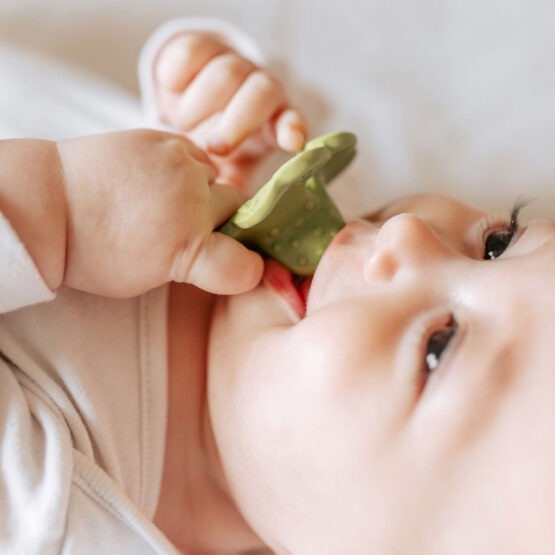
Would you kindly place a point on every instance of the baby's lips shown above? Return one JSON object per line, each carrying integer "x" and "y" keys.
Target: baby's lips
{"x": 290, "y": 289}
{"x": 303, "y": 287}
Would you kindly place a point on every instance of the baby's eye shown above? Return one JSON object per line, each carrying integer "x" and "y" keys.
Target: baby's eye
{"x": 496, "y": 243}
{"x": 437, "y": 344}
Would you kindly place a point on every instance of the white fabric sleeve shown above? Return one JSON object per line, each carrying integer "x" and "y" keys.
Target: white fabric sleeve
{"x": 53, "y": 498}
{"x": 20, "y": 281}
{"x": 36, "y": 460}
{"x": 231, "y": 35}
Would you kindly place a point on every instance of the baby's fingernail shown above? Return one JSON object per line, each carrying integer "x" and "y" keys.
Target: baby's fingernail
{"x": 217, "y": 146}
{"x": 297, "y": 140}
{"x": 292, "y": 140}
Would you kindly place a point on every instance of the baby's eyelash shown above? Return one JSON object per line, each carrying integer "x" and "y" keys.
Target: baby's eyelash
{"x": 513, "y": 226}
{"x": 512, "y": 223}
{"x": 496, "y": 241}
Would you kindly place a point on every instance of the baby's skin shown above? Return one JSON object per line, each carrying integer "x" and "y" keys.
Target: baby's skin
{"x": 406, "y": 409}
{"x": 224, "y": 101}
{"x": 410, "y": 409}
{"x": 120, "y": 213}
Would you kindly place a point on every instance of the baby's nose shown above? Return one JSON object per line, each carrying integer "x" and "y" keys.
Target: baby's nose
{"x": 404, "y": 242}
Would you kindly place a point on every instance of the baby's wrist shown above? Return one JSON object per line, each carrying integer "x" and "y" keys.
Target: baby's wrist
{"x": 33, "y": 200}
{"x": 55, "y": 228}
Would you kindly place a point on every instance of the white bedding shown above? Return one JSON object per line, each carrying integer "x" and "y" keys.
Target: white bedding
{"x": 449, "y": 96}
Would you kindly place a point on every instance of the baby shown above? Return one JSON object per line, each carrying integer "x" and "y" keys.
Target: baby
{"x": 159, "y": 396}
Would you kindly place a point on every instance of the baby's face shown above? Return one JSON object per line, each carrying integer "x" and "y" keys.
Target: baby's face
{"x": 412, "y": 410}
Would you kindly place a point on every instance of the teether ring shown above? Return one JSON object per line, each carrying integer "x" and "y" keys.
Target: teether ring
{"x": 291, "y": 218}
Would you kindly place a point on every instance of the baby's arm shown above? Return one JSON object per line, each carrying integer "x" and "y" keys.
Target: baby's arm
{"x": 120, "y": 213}
{"x": 32, "y": 199}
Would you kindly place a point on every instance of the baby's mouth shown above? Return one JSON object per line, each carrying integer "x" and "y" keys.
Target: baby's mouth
{"x": 291, "y": 288}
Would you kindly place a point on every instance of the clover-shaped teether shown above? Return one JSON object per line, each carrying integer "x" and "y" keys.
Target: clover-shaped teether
{"x": 291, "y": 218}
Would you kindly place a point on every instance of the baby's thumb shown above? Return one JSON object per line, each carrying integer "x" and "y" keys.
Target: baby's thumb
{"x": 225, "y": 267}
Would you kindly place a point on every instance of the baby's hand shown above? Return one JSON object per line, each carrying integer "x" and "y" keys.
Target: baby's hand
{"x": 205, "y": 88}
{"x": 141, "y": 210}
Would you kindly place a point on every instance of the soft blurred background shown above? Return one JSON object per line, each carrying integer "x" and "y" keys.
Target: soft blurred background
{"x": 447, "y": 96}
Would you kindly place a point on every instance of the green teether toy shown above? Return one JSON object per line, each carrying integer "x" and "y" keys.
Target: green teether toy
{"x": 291, "y": 218}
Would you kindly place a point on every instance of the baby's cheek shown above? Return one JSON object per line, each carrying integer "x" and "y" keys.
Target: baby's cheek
{"x": 332, "y": 352}
{"x": 349, "y": 332}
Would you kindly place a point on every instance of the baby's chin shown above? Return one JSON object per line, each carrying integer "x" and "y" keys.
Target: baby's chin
{"x": 239, "y": 324}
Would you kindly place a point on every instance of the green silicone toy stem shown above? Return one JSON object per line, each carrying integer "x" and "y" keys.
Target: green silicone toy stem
{"x": 292, "y": 218}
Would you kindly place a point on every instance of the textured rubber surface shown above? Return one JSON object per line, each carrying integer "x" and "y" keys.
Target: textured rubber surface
{"x": 292, "y": 219}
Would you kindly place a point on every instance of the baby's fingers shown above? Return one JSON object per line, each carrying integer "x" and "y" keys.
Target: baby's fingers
{"x": 259, "y": 98}
{"x": 182, "y": 58}
{"x": 225, "y": 267}
{"x": 291, "y": 130}
{"x": 212, "y": 89}
{"x": 224, "y": 202}
{"x": 218, "y": 263}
